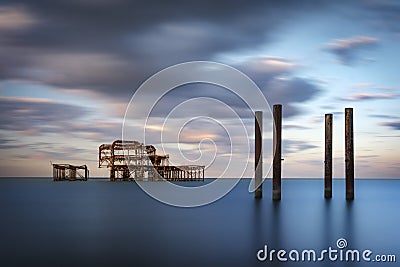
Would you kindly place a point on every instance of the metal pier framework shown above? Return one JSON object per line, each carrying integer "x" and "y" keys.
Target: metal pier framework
{"x": 64, "y": 172}
{"x": 132, "y": 160}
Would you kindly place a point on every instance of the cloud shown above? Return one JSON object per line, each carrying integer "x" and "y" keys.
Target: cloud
{"x": 382, "y": 15}
{"x": 395, "y": 125}
{"x": 296, "y": 146}
{"x": 89, "y": 70}
{"x": 382, "y": 116}
{"x": 295, "y": 127}
{"x": 362, "y": 86}
{"x": 347, "y": 50}
{"x": 289, "y": 92}
{"x": 266, "y": 67}
{"x": 37, "y": 116}
{"x": 16, "y": 18}
{"x": 276, "y": 77}
{"x": 114, "y": 52}
{"x": 362, "y": 97}
{"x": 370, "y": 86}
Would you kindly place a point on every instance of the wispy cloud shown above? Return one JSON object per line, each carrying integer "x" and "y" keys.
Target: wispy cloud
{"x": 362, "y": 97}
{"x": 295, "y": 146}
{"x": 271, "y": 65}
{"x": 16, "y": 17}
{"x": 370, "y": 86}
{"x": 290, "y": 91}
{"x": 277, "y": 78}
{"x": 383, "y": 15}
{"x": 38, "y": 116}
{"x": 383, "y": 116}
{"x": 347, "y": 50}
{"x": 394, "y": 125}
{"x": 114, "y": 53}
{"x": 296, "y": 127}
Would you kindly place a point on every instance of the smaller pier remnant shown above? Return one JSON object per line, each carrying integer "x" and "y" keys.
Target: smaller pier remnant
{"x": 68, "y": 172}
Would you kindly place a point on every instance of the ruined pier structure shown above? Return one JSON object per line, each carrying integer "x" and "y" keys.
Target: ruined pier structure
{"x": 68, "y": 172}
{"x": 132, "y": 160}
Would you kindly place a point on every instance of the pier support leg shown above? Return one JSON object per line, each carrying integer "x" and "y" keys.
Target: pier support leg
{"x": 258, "y": 155}
{"x": 276, "y": 178}
{"x": 112, "y": 174}
{"x": 349, "y": 154}
{"x": 328, "y": 156}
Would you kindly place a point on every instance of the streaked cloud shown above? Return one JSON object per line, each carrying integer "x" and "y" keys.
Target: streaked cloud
{"x": 296, "y": 146}
{"x": 362, "y": 97}
{"x": 86, "y": 69}
{"x": 296, "y": 127}
{"x": 395, "y": 125}
{"x": 115, "y": 52}
{"x": 276, "y": 77}
{"x": 365, "y": 86}
{"x": 268, "y": 65}
{"x": 382, "y": 15}
{"x": 291, "y": 91}
{"x": 16, "y": 17}
{"x": 348, "y": 50}
{"x": 35, "y": 114}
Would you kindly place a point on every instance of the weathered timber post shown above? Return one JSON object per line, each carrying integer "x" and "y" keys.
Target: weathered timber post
{"x": 328, "y": 156}
{"x": 276, "y": 177}
{"x": 86, "y": 173}
{"x": 258, "y": 155}
{"x": 349, "y": 159}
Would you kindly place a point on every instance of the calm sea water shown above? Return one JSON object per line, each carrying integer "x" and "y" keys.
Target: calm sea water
{"x": 99, "y": 223}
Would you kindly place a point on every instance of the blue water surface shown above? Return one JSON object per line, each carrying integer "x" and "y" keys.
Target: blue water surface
{"x": 101, "y": 223}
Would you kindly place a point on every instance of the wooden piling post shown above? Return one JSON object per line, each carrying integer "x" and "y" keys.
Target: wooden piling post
{"x": 258, "y": 155}
{"x": 328, "y": 156}
{"x": 349, "y": 159}
{"x": 276, "y": 177}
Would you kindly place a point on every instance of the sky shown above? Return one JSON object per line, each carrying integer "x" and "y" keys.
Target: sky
{"x": 68, "y": 70}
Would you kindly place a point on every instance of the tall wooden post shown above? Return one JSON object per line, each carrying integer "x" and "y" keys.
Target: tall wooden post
{"x": 258, "y": 155}
{"x": 276, "y": 177}
{"x": 328, "y": 156}
{"x": 349, "y": 153}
